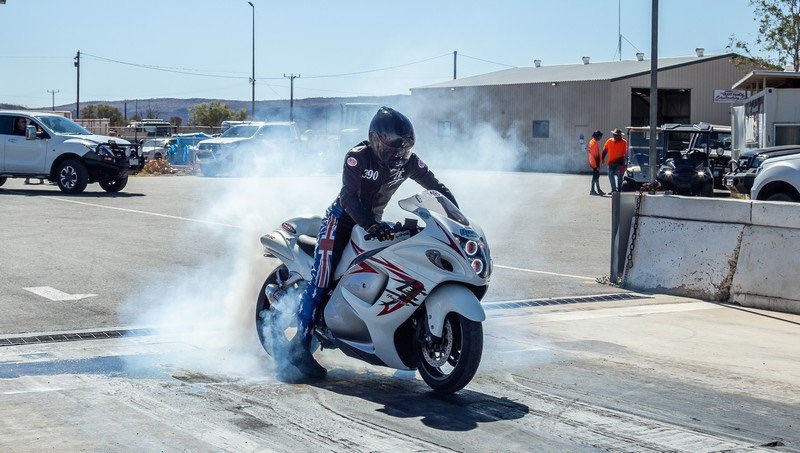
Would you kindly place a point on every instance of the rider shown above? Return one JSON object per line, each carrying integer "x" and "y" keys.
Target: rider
{"x": 373, "y": 171}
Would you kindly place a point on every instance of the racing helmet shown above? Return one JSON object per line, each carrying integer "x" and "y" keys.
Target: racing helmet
{"x": 391, "y": 137}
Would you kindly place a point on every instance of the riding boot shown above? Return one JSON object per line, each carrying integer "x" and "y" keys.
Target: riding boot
{"x": 300, "y": 355}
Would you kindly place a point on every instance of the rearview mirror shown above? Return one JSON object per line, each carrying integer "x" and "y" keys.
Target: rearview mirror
{"x": 30, "y": 132}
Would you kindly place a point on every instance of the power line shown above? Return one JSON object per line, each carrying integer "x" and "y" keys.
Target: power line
{"x": 377, "y": 69}
{"x": 184, "y": 71}
{"x": 487, "y": 61}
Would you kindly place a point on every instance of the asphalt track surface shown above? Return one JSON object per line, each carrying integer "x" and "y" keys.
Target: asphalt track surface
{"x": 565, "y": 367}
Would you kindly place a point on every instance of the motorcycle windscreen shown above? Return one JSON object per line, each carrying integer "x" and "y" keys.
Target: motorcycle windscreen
{"x": 433, "y": 201}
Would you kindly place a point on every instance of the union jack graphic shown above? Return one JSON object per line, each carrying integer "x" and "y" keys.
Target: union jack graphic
{"x": 325, "y": 251}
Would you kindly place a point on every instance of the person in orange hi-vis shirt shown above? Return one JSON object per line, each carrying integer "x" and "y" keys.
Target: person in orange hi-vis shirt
{"x": 595, "y": 160}
{"x": 615, "y": 148}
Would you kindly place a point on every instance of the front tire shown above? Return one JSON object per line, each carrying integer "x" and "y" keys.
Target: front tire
{"x": 72, "y": 176}
{"x": 449, "y": 364}
{"x": 114, "y": 185}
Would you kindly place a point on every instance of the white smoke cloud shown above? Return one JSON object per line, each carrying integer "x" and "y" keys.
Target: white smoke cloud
{"x": 212, "y": 304}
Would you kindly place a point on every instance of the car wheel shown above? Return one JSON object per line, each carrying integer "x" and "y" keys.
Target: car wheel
{"x": 72, "y": 176}
{"x": 114, "y": 185}
{"x": 708, "y": 190}
{"x": 3, "y": 181}
{"x": 782, "y": 196}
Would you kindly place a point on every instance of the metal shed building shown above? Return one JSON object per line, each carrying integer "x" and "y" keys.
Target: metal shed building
{"x": 549, "y": 112}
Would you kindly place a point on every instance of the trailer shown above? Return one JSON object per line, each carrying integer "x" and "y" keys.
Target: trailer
{"x": 770, "y": 115}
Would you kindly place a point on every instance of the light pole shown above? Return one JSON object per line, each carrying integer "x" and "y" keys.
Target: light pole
{"x": 291, "y": 78}
{"x": 53, "y": 92}
{"x": 653, "y": 90}
{"x": 253, "y": 75}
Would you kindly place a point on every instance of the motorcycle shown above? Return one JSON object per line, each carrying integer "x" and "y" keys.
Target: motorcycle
{"x": 411, "y": 302}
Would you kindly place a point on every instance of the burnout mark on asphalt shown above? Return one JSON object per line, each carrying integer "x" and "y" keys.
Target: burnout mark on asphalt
{"x": 504, "y": 305}
{"x": 73, "y": 336}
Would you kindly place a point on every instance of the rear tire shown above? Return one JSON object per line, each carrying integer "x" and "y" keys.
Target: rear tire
{"x": 782, "y": 196}
{"x": 3, "y": 181}
{"x": 114, "y": 185}
{"x": 708, "y": 190}
{"x": 462, "y": 342}
{"x": 72, "y": 176}
{"x": 276, "y": 326}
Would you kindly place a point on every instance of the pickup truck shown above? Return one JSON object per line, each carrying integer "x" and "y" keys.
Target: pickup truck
{"x": 249, "y": 148}
{"x": 743, "y": 172}
{"x": 50, "y": 146}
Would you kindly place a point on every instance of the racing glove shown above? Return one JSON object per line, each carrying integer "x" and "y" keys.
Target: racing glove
{"x": 381, "y": 231}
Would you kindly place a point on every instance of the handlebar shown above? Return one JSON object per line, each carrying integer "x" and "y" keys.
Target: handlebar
{"x": 395, "y": 230}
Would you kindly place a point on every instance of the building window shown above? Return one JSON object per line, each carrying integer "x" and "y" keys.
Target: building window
{"x": 541, "y": 129}
{"x": 444, "y": 128}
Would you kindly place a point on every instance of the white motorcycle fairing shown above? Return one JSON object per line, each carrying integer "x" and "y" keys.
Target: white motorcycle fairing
{"x": 383, "y": 284}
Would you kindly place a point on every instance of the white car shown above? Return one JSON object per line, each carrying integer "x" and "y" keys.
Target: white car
{"x": 50, "y": 146}
{"x": 156, "y": 148}
{"x": 778, "y": 179}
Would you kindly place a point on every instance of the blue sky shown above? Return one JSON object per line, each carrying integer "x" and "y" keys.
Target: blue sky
{"x": 40, "y": 37}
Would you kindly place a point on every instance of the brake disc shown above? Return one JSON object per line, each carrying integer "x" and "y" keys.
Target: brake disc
{"x": 436, "y": 354}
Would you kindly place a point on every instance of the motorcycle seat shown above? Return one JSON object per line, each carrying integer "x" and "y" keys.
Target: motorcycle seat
{"x": 307, "y": 244}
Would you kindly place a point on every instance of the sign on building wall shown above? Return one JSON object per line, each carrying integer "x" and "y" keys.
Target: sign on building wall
{"x": 729, "y": 96}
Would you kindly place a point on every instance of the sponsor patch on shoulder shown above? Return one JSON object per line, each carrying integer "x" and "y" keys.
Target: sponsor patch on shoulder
{"x": 420, "y": 162}
{"x": 352, "y": 161}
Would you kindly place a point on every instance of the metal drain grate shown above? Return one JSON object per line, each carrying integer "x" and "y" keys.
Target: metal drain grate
{"x": 73, "y": 336}
{"x": 562, "y": 301}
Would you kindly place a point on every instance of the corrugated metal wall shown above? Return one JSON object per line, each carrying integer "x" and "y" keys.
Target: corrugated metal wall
{"x": 573, "y": 109}
{"x": 702, "y": 79}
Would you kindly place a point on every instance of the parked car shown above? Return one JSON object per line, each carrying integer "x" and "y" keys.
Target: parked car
{"x": 157, "y": 148}
{"x": 778, "y": 179}
{"x": 240, "y": 147}
{"x": 50, "y": 146}
{"x": 743, "y": 172}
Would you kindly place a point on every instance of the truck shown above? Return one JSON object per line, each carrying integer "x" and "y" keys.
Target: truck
{"x": 50, "y": 146}
{"x": 769, "y": 116}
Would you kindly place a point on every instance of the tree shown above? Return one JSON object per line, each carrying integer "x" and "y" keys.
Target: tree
{"x": 104, "y": 111}
{"x": 176, "y": 121}
{"x": 778, "y": 38}
{"x": 151, "y": 113}
{"x": 214, "y": 113}
{"x": 136, "y": 118}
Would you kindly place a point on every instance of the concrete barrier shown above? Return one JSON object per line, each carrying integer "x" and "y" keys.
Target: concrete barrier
{"x": 746, "y": 252}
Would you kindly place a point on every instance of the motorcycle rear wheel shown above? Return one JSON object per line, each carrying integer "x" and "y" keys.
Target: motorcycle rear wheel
{"x": 276, "y": 326}
{"x": 449, "y": 365}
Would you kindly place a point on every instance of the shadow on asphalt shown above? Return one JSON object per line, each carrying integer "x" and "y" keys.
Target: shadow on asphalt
{"x": 407, "y": 398}
{"x": 55, "y": 191}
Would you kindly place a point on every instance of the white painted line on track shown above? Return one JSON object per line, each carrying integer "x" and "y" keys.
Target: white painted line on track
{"x": 20, "y": 392}
{"x": 522, "y": 269}
{"x": 228, "y": 225}
{"x": 136, "y": 211}
{"x": 56, "y": 295}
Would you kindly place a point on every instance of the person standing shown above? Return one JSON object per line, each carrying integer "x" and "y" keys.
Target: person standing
{"x": 595, "y": 160}
{"x": 615, "y": 148}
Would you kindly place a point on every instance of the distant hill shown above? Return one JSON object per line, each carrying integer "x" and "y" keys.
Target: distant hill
{"x": 11, "y": 107}
{"x": 307, "y": 110}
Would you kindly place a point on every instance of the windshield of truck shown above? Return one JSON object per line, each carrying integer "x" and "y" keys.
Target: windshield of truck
{"x": 276, "y": 132}
{"x": 715, "y": 140}
{"x": 240, "y": 132}
{"x": 433, "y": 201}
{"x": 62, "y": 126}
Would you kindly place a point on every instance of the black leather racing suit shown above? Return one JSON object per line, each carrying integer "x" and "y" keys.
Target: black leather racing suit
{"x": 367, "y": 187}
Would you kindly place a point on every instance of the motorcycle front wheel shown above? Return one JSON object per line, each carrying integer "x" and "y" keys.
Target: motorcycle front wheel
{"x": 448, "y": 364}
